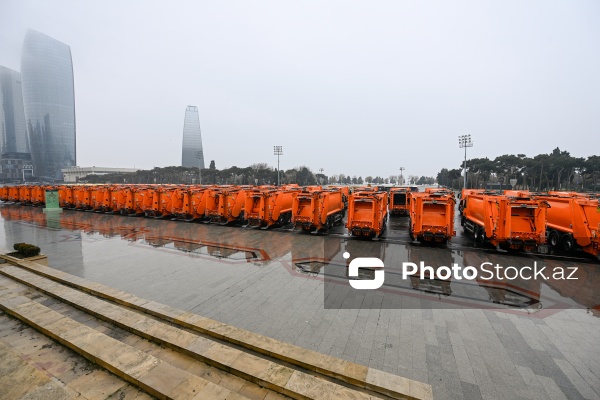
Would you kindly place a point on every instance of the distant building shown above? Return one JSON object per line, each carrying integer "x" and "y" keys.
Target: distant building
{"x": 49, "y": 103}
{"x": 74, "y": 174}
{"x": 15, "y": 158}
{"x": 192, "y": 154}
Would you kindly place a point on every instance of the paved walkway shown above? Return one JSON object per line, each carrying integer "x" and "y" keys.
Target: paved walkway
{"x": 258, "y": 280}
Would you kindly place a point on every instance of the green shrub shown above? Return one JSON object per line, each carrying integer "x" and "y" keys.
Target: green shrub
{"x": 27, "y": 250}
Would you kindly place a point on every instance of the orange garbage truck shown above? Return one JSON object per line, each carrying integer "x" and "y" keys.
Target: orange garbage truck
{"x": 573, "y": 222}
{"x": 25, "y": 194}
{"x": 194, "y": 203}
{"x": 431, "y": 217}
{"x": 367, "y": 213}
{"x": 82, "y": 197}
{"x": 138, "y": 201}
{"x": 13, "y": 194}
{"x": 465, "y": 192}
{"x": 97, "y": 194}
{"x": 517, "y": 223}
{"x": 269, "y": 206}
{"x": 178, "y": 204}
{"x": 38, "y": 195}
{"x": 118, "y": 199}
{"x": 162, "y": 201}
{"x": 65, "y": 196}
{"x": 318, "y": 210}
{"x": 4, "y": 193}
{"x": 225, "y": 204}
{"x": 399, "y": 201}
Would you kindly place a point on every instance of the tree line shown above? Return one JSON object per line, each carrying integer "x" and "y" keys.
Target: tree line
{"x": 555, "y": 171}
{"x": 255, "y": 174}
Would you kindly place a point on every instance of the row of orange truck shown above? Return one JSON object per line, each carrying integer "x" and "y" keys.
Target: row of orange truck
{"x": 311, "y": 208}
{"x": 525, "y": 220}
{"x": 516, "y": 220}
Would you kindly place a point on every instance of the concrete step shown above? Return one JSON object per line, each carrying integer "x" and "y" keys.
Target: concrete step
{"x": 34, "y": 366}
{"x": 260, "y": 370}
{"x": 300, "y": 373}
{"x": 50, "y": 364}
{"x": 154, "y": 376}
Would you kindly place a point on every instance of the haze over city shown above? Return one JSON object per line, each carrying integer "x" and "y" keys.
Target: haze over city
{"x": 351, "y": 87}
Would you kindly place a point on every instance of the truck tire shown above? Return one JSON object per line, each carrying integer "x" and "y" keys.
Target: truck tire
{"x": 553, "y": 238}
{"x": 567, "y": 243}
{"x": 479, "y": 235}
{"x": 410, "y": 231}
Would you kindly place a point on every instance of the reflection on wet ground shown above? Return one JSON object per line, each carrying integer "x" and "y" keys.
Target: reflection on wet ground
{"x": 320, "y": 257}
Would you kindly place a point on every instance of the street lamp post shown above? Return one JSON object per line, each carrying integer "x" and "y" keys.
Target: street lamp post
{"x": 465, "y": 141}
{"x": 401, "y": 177}
{"x": 278, "y": 151}
{"x": 199, "y": 156}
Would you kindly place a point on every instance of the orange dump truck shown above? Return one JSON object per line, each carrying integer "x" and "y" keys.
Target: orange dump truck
{"x": 315, "y": 210}
{"x": 225, "y": 204}
{"x": 399, "y": 201}
{"x": 431, "y": 217}
{"x": 505, "y": 221}
{"x": 367, "y": 213}
{"x": 573, "y": 222}
{"x": 267, "y": 207}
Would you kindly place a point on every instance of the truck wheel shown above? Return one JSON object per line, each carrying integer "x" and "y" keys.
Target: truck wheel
{"x": 567, "y": 243}
{"x": 479, "y": 235}
{"x": 553, "y": 238}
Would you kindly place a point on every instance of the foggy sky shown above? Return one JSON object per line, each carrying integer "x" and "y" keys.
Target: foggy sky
{"x": 354, "y": 87}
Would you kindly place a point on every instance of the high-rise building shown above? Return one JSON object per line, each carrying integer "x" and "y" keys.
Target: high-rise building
{"x": 14, "y": 146}
{"x": 49, "y": 102}
{"x": 192, "y": 154}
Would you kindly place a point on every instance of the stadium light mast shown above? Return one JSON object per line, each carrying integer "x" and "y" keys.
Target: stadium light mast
{"x": 200, "y": 157}
{"x": 465, "y": 141}
{"x": 278, "y": 151}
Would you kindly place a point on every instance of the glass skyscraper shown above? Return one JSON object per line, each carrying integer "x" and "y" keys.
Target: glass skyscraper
{"x": 49, "y": 103}
{"x": 14, "y": 146}
{"x": 192, "y": 154}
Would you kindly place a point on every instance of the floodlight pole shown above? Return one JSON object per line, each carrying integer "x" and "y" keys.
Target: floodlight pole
{"x": 465, "y": 141}
{"x": 199, "y": 156}
{"x": 278, "y": 151}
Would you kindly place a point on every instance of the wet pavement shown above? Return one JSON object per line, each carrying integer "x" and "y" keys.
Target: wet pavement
{"x": 488, "y": 339}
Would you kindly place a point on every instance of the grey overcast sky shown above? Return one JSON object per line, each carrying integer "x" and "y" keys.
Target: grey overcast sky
{"x": 354, "y": 87}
